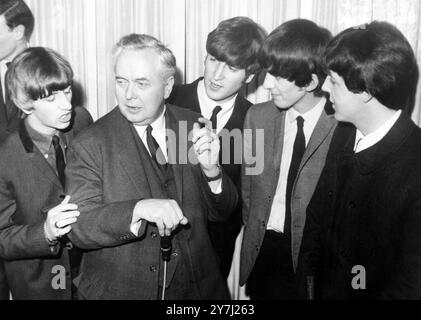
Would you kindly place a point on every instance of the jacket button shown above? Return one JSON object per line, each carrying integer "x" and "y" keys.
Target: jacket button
{"x": 263, "y": 223}
{"x": 352, "y": 205}
{"x": 153, "y": 235}
{"x": 330, "y": 193}
{"x": 257, "y": 248}
{"x": 152, "y": 268}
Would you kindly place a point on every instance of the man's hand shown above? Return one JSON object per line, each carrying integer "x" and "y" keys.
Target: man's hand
{"x": 165, "y": 213}
{"x": 206, "y": 145}
{"x": 59, "y": 219}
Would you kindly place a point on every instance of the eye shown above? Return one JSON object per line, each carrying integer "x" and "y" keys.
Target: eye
{"x": 68, "y": 90}
{"x": 121, "y": 82}
{"x": 142, "y": 84}
{"x": 212, "y": 59}
{"x": 50, "y": 98}
{"x": 233, "y": 69}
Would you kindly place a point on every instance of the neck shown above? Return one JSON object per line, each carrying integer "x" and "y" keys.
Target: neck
{"x": 308, "y": 102}
{"x": 34, "y": 124}
{"x": 374, "y": 118}
{"x": 21, "y": 46}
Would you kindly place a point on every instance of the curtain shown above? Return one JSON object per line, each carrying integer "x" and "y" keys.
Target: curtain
{"x": 85, "y": 31}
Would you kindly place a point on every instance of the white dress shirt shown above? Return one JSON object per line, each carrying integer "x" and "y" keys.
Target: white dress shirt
{"x": 364, "y": 142}
{"x": 3, "y": 70}
{"x": 207, "y": 105}
{"x": 277, "y": 214}
{"x": 158, "y": 132}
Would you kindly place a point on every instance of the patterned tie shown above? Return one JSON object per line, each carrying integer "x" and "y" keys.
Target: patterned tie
{"x": 213, "y": 118}
{"x": 60, "y": 163}
{"x": 297, "y": 155}
{"x": 156, "y": 152}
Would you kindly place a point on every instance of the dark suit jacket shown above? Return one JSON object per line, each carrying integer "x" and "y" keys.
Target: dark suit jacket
{"x": 259, "y": 190}
{"x": 107, "y": 175}
{"x": 366, "y": 211}
{"x": 28, "y": 188}
{"x": 223, "y": 235}
{"x": 186, "y": 96}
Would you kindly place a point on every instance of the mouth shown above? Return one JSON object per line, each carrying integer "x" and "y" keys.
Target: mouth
{"x": 133, "y": 108}
{"x": 214, "y": 86}
{"x": 66, "y": 117}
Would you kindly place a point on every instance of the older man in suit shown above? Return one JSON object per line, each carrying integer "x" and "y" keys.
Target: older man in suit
{"x": 298, "y": 126}
{"x": 231, "y": 62}
{"x": 134, "y": 188}
{"x": 33, "y": 214}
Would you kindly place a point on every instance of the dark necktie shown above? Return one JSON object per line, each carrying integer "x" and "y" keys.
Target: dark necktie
{"x": 297, "y": 155}
{"x": 213, "y": 118}
{"x": 3, "y": 106}
{"x": 156, "y": 152}
{"x": 60, "y": 163}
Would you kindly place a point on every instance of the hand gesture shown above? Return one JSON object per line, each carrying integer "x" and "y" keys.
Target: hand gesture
{"x": 165, "y": 213}
{"x": 59, "y": 219}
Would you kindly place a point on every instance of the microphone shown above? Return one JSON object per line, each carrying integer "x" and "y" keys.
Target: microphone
{"x": 310, "y": 287}
{"x": 166, "y": 248}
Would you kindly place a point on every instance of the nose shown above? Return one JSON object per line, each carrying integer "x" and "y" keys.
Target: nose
{"x": 130, "y": 92}
{"x": 65, "y": 100}
{"x": 326, "y": 85}
{"x": 219, "y": 71}
{"x": 269, "y": 81}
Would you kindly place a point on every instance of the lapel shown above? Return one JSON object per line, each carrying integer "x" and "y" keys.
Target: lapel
{"x": 278, "y": 137}
{"x": 177, "y": 151}
{"x": 236, "y": 121}
{"x": 128, "y": 154}
{"x": 324, "y": 126}
{"x": 36, "y": 158}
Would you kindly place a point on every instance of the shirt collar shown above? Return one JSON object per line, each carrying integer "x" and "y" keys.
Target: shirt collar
{"x": 203, "y": 98}
{"x": 42, "y": 141}
{"x": 310, "y": 117}
{"x": 158, "y": 125}
{"x": 364, "y": 142}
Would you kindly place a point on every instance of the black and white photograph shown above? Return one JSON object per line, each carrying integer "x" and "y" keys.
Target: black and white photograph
{"x": 217, "y": 154}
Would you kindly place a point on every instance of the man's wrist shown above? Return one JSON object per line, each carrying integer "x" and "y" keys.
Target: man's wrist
{"x": 49, "y": 241}
{"x": 213, "y": 174}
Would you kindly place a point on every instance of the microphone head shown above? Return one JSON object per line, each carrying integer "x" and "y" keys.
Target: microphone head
{"x": 166, "y": 248}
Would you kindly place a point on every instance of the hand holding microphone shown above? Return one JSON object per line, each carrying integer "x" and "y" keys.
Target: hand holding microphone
{"x": 165, "y": 213}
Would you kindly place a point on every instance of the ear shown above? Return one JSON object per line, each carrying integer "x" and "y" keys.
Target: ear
{"x": 249, "y": 78}
{"x": 366, "y": 97}
{"x": 169, "y": 83}
{"x": 313, "y": 83}
{"x": 19, "y": 32}
{"x": 27, "y": 107}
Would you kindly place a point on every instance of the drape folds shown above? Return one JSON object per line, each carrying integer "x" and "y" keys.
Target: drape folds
{"x": 85, "y": 31}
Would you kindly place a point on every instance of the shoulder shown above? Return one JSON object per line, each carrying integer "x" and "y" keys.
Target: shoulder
{"x": 243, "y": 102}
{"x": 10, "y": 146}
{"x": 262, "y": 113}
{"x": 180, "y": 113}
{"x": 182, "y": 93}
{"x": 81, "y": 120}
{"x": 98, "y": 131}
